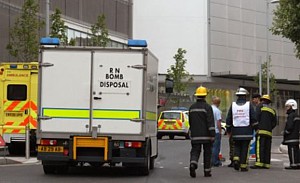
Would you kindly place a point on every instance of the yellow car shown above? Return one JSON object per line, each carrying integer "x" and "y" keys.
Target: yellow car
{"x": 173, "y": 122}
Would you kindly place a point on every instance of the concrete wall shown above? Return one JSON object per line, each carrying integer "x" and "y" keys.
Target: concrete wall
{"x": 239, "y": 40}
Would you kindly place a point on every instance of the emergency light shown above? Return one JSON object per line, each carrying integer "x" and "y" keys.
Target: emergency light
{"x": 137, "y": 43}
{"x": 49, "y": 41}
{"x": 13, "y": 66}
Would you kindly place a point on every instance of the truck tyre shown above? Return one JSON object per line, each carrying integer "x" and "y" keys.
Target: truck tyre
{"x": 171, "y": 137}
{"x": 152, "y": 161}
{"x": 62, "y": 169}
{"x": 147, "y": 165}
{"x": 49, "y": 169}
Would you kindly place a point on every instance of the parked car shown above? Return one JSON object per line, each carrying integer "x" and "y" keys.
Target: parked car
{"x": 173, "y": 122}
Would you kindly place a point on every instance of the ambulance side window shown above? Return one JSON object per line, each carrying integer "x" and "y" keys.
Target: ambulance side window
{"x": 16, "y": 92}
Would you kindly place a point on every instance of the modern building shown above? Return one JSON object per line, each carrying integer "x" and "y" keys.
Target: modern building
{"x": 78, "y": 15}
{"x": 226, "y": 41}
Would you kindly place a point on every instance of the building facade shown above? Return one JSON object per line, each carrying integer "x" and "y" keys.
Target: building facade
{"x": 78, "y": 15}
{"x": 226, "y": 41}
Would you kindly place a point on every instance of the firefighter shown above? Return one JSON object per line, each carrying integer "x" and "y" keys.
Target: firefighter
{"x": 202, "y": 128}
{"x": 267, "y": 120}
{"x": 240, "y": 122}
{"x": 291, "y": 134}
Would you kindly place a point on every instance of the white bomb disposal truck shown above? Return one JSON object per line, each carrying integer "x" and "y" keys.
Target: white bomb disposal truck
{"x": 97, "y": 106}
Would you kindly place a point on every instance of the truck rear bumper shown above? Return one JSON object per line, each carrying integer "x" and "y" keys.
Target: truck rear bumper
{"x": 60, "y": 159}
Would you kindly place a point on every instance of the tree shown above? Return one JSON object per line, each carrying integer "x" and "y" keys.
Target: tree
{"x": 286, "y": 22}
{"x": 24, "y": 39}
{"x": 99, "y": 31}
{"x": 59, "y": 29}
{"x": 177, "y": 72}
{"x": 272, "y": 79}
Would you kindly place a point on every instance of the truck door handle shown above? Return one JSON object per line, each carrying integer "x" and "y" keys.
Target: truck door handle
{"x": 26, "y": 111}
{"x": 97, "y": 98}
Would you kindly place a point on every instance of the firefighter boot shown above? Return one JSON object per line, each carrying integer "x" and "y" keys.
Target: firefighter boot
{"x": 193, "y": 168}
{"x": 236, "y": 165}
{"x": 207, "y": 174}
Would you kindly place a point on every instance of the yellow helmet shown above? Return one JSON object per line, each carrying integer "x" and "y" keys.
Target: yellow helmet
{"x": 201, "y": 91}
{"x": 266, "y": 97}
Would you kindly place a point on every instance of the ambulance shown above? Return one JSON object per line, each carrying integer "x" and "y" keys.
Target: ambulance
{"x": 97, "y": 107}
{"x": 18, "y": 108}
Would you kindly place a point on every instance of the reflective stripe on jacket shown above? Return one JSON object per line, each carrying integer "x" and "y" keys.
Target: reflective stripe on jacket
{"x": 201, "y": 119}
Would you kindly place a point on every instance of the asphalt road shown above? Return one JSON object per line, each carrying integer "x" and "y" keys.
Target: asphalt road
{"x": 171, "y": 166}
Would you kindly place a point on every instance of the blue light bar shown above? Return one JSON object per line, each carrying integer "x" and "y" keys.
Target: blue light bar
{"x": 13, "y": 66}
{"x": 49, "y": 41}
{"x": 137, "y": 43}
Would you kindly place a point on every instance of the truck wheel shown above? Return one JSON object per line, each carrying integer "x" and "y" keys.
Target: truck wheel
{"x": 147, "y": 165}
{"x": 159, "y": 136}
{"x": 152, "y": 161}
{"x": 49, "y": 169}
{"x": 62, "y": 169}
{"x": 171, "y": 137}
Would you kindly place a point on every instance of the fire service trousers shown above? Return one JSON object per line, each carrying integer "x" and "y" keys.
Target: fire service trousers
{"x": 241, "y": 151}
{"x": 196, "y": 151}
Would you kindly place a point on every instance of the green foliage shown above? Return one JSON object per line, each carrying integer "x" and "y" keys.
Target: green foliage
{"x": 99, "y": 31}
{"x": 286, "y": 22}
{"x": 272, "y": 79}
{"x": 177, "y": 72}
{"x": 24, "y": 40}
{"x": 58, "y": 28}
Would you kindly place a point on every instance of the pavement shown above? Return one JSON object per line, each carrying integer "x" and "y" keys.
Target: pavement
{"x": 5, "y": 159}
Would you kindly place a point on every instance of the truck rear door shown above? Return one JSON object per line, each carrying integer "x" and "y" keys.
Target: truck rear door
{"x": 65, "y": 91}
{"x": 81, "y": 89}
{"x": 118, "y": 92}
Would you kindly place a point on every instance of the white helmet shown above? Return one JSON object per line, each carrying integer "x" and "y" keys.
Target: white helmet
{"x": 241, "y": 91}
{"x": 291, "y": 102}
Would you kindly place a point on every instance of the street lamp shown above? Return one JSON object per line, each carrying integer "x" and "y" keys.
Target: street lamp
{"x": 267, "y": 36}
{"x": 47, "y": 17}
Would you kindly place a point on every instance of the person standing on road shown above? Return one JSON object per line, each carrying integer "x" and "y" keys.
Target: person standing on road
{"x": 256, "y": 101}
{"x": 217, "y": 143}
{"x": 202, "y": 128}
{"x": 291, "y": 134}
{"x": 240, "y": 123}
{"x": 267, "y": 120}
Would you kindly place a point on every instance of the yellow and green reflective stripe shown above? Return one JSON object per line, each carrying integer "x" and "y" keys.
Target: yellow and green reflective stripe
{"x": 85, "y": 114}
{"x": 115, "y": 114}
{"x": 268, "y": 109}
{"x": 264, "y": 132}
{"x": 151, "y": 116}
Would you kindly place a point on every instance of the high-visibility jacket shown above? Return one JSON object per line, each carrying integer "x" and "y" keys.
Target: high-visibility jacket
{"x": 267, "y": 120}
{"x": 201, "y": 119}
{"x": 244, "y": 132}
{"x": 291, "y": 130}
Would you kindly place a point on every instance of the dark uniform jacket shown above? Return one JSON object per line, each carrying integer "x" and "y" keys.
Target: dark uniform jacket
{"x": 201, "y": 121}
{"x": 241, "y": 133}
{"x": 267, "y": 120}
{"x": 291, "y": 130}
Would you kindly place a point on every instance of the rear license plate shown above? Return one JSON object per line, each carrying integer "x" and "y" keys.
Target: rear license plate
{"x": 13, "y": 114}
{"x": 50, "y": 149}
{"x": 169, "y": 122}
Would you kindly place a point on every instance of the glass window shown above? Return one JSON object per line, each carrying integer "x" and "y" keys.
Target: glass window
{"x": 170, "y": 115}
{"x": 16, "y": 92}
